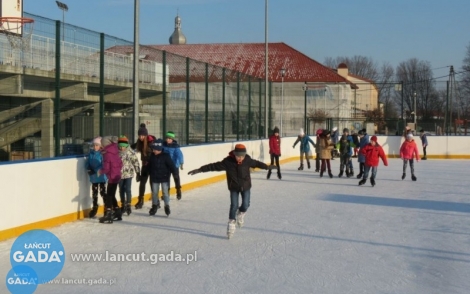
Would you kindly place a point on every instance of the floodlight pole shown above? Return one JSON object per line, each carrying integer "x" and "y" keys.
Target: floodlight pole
{"x": 135, "y": 73}
{"x": 64, "y": 8}
{"x": 266, "y": 70}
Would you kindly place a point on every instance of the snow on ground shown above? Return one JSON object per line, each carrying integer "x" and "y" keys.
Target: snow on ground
{"x": 302, "y": 234}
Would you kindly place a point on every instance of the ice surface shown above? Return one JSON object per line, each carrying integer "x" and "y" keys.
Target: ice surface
{"x": 302, "y": 234}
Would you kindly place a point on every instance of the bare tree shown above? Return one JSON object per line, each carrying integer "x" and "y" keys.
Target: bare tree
{"x": 465, "y": 86}
{"x": 377, "y": 117}
{"x": 417, "y": 78}
{"x": 317, "y": 116}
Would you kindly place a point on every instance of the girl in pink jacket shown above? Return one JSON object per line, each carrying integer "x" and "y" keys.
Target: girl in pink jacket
{"x": 408, "y": 151}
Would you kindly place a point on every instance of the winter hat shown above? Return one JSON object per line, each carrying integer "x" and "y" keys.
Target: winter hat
{"x": 142, "y": 130}
{"x": 97, "y": 141}
{"x": 334, "y": 129}
{"x": 409, "y": 136}
{"x": 157, "y": 145}
{"x": 105, "y": 141}
{"x": 374, "y": 138}
{"x": 240, "y": 150}
{"x": 301, "y": 132}
{"x": 319, "y": 131}
{"x": 345, "y": 130}
{"x": 361, "y": 132}
{"x": 123, "y": 141}
{"x": 276, "y": 130}
{"x": 170, "y": 135}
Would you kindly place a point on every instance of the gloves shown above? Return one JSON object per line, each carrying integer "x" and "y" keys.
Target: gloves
{"x": 272, "y": 166}
{"x": 194, "y": 171}
{"x": 293, "y": 147}
{"x": 178, "y": 193}
{"x": 137, "y": 177}
{"x": 91, "y": 172}
{"x": 181, "y": 166}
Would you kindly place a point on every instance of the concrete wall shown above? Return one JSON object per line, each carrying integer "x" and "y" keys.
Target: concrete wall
{"x": 45, "y": 193}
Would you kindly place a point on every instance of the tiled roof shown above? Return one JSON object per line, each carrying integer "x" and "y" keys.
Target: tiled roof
{"x": 249, "y": 58}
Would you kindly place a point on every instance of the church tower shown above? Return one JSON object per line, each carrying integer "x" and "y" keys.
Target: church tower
{"x": 177, "y": 38}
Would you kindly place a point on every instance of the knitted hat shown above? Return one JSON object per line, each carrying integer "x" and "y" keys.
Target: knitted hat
{"x": 170, "y": 135}
{"x": 319, "y": 131}
{"x": 334, "y": 129}
{"x": 276, "y": 130}
{"x": 361, "y": 132}
{"x": 240, "y": 150}
{"x": 157, "y": 145}
{"x": 123, "y": 141}
{"x": 374, "y": 138}
{"x": 345, "y": 130}
{"x": 97, "y": 141}
{"x": 105, "y": 141}
{"x": 409, "y": 136}
{"x": 301, "y": 132}
{"x": 142, "y": 130}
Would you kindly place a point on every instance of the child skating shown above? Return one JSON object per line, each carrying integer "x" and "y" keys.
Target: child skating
{"x": 275, "y": 151}
{"x": 409, "y": 151}
{"x": 372, "y": 152}
{"x": 237, "y": 168}
{"x": 94, "y": 162}
{"x": 304, "y": 148}
{"x": 130, "y": 164}
{"x": 160, "y": 168}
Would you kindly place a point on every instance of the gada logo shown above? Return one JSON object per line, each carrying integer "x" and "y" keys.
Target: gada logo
{"x": 42, "y": 256}
{"x": 41, "y": 252}
{"x": 22, "y": 279}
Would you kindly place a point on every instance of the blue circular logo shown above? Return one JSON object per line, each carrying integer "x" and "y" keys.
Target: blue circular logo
{"x": 22, "y": 280}
{"x": 41, "y": 251}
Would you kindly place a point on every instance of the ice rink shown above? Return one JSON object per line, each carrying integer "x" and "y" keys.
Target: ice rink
{"x": 302, "y": 234}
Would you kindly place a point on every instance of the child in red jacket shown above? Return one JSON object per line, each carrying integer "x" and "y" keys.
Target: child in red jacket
{"x": 408, "y": 150}
{"x": 372, "y": 152}
{"x": 275, "y": 151}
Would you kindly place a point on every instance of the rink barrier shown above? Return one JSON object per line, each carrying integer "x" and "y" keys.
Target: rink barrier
{"x": 49, "y": 192}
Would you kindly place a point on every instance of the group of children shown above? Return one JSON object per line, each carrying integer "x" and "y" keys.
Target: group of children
{"x": 369, "y": 153}
{"x": 112, "y": 162}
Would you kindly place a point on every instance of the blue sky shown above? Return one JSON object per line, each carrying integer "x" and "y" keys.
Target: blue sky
{"x": 386, "y": 31}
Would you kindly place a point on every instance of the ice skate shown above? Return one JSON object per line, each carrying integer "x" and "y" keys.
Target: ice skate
{"x": 93, "y": 212}
{"x": 240, "y": 219}
{"x": 268, "y": 175}
{"x": 231, "y": 228}
{"x": 308, "y": 164}
{"x": 330, "y": 174}
{"x": 359, "y": 176}
{"x": 107, "y": 218}
{"x": 279, "y": 175}
{"x": 123, "y": 209}
{"x": 424, "y": 158}
{"x": 351, "y": 173}
{"x": 341, "y": 174}
{"x": 362, "y": 182}
{"x": 372, "y": 182}
{"x": 413, "y": 178}
{"x": 117, "y": 215}
{"x": 403, "y": 176}
{"x": 128, "y": 209}
{"x": 140, "y": 202}
{"x": 301, "y": 167}
{"x": 154, "y": 209}
{"x": 167, "y": 210}
{"x": 321, "y": 174}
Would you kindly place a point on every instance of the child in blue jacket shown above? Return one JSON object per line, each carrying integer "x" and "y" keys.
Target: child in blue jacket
{"x": 93, "y": 163}
{"x": 171, "y": 147}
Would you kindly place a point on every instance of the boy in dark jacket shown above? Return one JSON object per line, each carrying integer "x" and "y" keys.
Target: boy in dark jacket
{"x": 160, "y": 167}
{"x": 372, "y": 152}
{"x": 345, "y": 152}
{"x": 237, "y": 168}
